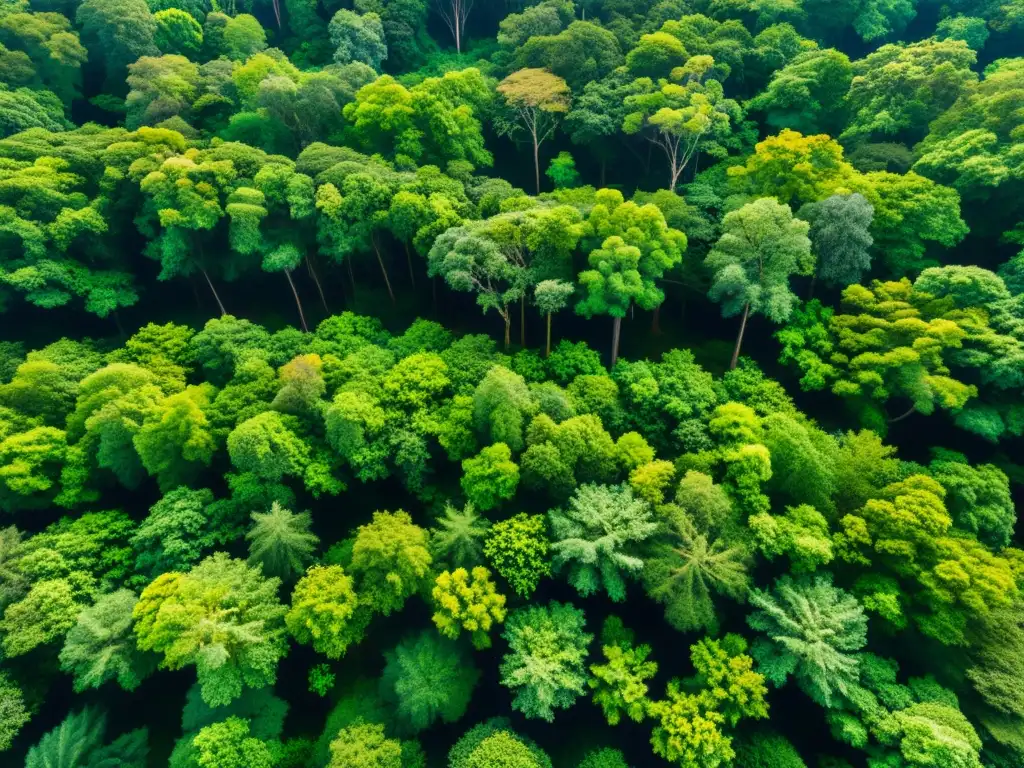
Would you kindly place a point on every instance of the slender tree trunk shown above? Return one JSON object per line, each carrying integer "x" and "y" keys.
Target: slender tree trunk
{"x": 195, "y": 293}
{"x": 547, "y": 343}
{"x": 739, "y": 338}
{"x": 458, "y": 34}
{"x": 117, "y": 322}
{"x": 616, "y": 333}
{"x": 656, "y": 321}
{"x": 903, "y": 415}
{"x": 277, "y": 12}
{"x": 536, "y": 162}
{"x": 383, "y": 269}
{"x": 302, "y": 316}
{"x": 213, "y": 290}
{"x": 351, "y": 275}
{"x": 522, "y": 322}
{"x": 508, "y": 328}
{"x": 319, "y": 288}
{"x": 408, "y": 258}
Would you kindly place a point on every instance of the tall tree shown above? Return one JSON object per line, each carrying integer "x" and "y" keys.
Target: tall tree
{"x": 840, "y": 237}
{"x": 598, "y": 535}
{"x": 761, "y": 247}
{"x": 545, "y": 662}
{"x": 454, "y": 14}
{"x": 632, "y": 247}
{"x": 222, "y": 616}
{"x": 281, "y": 541}
{"x": 551, "y": 296}
{"x": 814, "y": 631}
{"x": 537, "y": 100}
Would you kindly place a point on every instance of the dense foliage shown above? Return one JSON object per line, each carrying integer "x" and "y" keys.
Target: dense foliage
{"x": 475, "y": 540}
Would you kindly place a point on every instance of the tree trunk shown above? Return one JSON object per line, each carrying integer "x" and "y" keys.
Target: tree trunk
{"x": 351, "y": 275}
{"x": 458, "y": 33}
{"x": 383, "y": 269}
{"x": 117, "y": 322}
{"x": 522, "y": 322}
{"x": 195, "y": 293}
{"x": 277, "y": 12}
{"x": 536, "y": 162}
{"x": 302, "y": 316}
{"x": 508, "y": 328}
{"x": 616, "y": 332}
{"x": 903, "y": 415}
{"x": 214, "y": 292}
{"x": 547, "y": 344}
{"x": 408, "y": 258}
{"x": 319, "y": 288}
{"x": 656, "y": 321}
{"x": 739, "y": 338}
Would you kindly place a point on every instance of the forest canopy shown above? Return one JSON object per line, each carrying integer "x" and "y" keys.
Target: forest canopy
{"x": 533, "y": 384}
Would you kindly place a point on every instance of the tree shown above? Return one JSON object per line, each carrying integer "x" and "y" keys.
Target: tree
{"x": 161, "y": 88}
{"x": 430, "y": 679}
{"x": 472, "y": 262}
{"x": 177, "y": 32}
{"x": 175, "y": 440}
{"x": 977, "y": 497}
{"x": 581, "y": 53}
{"x": 840, "y": 237}
{"x": 603, "y": 758}
{"x": 801, "y": 534}
{"x": 545, "y": 662}
{"x": 101, "y": 645}
{"x": 467, "y": 601}
{"x": 598, "y": 535}
{"x": 228, "y": 745}
{"x": 632, "y": 247}
{"x": 42, "y": 617}
{"x": 683, "y": 119}
{"x": 688, "y": 566}
{"x": 761, "y": 246}
{"x": 898, "y": 90}
{"x": 551, "y": 296}
{"x": 222, "y": 616}
{"x": 889, "y": 341}
{"x": 122, "y": 30}
{"x": 281, "y": 541}
{"x": 78, "y": 741}
{"x": 454, "y": 14}
{"x": 13, "y": 714}
{"x": 175, "y": 534}
{"x": 536, "y": 100}
{"x": 618, "y": 684}
{"x": 364, "y": 745}
{"x": 518, "y": 550}
{"x": 502, "y": 406}
{"x": 266, "y": 446}
{"x": 390, "y": 560}
{"x": 490, "y": 477}
{"x": 358, "y": 37}
{"x": 689, "y": 730}
{"x": 458, "y": 538}
{"x": 807, "y": 94}
{"x": 767, "y": 749}
{"x": 814, "y": 630}
{"x": 325, "y": 611}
